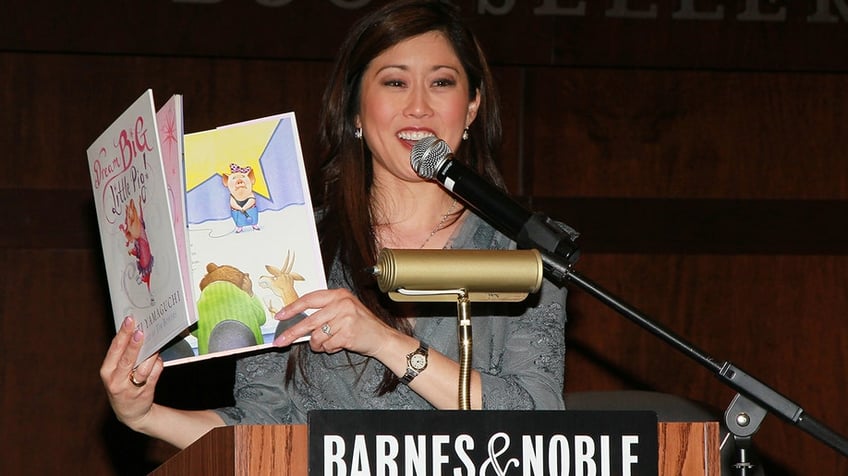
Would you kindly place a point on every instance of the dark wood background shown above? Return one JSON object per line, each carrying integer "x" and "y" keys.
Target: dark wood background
{"x": 703, "y": 160}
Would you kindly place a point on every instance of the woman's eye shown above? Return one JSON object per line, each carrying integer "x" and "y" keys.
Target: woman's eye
{"x": 393, "y": 83}
{"x": 443, "y": 83}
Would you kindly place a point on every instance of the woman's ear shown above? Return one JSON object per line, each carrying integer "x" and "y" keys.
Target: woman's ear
{"x": 473, "y": 106}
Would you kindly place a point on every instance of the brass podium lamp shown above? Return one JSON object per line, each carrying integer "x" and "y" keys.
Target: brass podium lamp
{"x": 461, "y": 275}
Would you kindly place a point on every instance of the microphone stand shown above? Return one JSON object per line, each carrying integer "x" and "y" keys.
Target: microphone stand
{"x": 754, "y": 399}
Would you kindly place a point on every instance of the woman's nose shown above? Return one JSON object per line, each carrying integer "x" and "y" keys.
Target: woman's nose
{"x": 418, "y": 104}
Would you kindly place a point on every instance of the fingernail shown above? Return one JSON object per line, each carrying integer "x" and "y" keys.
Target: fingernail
{"x": 128, "y": 322}
{"x": 279, "y": 314}
{"x": 137, "y": 335}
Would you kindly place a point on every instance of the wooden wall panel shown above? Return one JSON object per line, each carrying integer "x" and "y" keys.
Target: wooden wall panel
{"x": 510, "y": 84}
{"x": 702, "y": 226}
{"x": 709, "y": 198}
{"x": 804, "y": 35}
{"x": 55, "y": 328}
{"x": 53, "y": 334}
{"x": 780, "y": 318}
{"x": 56, "y": 105}
{"x": 684, "y": 134}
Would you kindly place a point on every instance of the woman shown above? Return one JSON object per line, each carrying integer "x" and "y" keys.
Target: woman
{"x": 406, "y": 71}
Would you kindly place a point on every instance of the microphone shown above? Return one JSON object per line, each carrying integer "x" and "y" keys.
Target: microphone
{"x": 438, "y": 275}
{"x": 433, "y": 159}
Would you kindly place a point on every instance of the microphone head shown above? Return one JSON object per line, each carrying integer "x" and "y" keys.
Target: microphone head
{"x": 427, "y": 156}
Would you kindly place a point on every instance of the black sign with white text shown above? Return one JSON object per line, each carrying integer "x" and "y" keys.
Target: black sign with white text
{"x": 482, "y": 443}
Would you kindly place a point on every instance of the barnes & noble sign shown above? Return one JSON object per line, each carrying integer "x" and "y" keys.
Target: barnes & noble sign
{"x": 484, "y": 443}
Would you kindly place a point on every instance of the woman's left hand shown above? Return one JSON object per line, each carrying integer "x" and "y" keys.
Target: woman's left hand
{"x": 340, "y": 321}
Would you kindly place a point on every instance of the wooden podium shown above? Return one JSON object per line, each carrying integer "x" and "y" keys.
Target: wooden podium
{"x": 243, "y": 450}
{"x": 690, "y": 448}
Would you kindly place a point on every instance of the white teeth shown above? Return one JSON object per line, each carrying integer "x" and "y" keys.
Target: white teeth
{"x": 414, "y": 135}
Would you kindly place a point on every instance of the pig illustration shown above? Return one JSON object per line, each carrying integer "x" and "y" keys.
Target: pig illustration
{"x": 243, "y": 210}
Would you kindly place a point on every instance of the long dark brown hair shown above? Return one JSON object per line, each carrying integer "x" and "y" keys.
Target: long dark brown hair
{"x": 343, "y": 193}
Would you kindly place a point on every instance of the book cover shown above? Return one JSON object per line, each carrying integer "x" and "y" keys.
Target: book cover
{"x": 251, "y": 233}
{"x": 135, "y": 222}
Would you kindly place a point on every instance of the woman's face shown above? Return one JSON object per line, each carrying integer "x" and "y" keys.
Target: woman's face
{"x": 415, "y": 89}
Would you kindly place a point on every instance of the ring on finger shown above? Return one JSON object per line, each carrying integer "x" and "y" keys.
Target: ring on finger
{"x": 326, "y": 329}
{"x": 136, "y": 382}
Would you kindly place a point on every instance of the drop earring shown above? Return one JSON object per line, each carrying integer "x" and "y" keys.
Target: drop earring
{"x": 465, "y": 134}
{"x": 358, "y": 133}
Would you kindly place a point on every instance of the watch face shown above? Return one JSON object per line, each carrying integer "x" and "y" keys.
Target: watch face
{"x": 418, "y": 361}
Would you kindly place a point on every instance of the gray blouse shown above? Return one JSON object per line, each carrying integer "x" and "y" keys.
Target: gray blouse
{"x": 518, "y": 348}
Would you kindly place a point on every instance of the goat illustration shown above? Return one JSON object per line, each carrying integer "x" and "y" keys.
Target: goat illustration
{"x": 281, "y": 282}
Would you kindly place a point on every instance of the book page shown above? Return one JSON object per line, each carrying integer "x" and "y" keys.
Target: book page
{"x": 251, "y": 232}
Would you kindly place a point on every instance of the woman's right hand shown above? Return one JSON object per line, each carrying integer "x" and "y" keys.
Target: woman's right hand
{"x": 130, "y": 390}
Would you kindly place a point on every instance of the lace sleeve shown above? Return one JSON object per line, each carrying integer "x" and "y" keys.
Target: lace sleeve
{"x": 261, "y": 396}
{"x": 527, "y": 368}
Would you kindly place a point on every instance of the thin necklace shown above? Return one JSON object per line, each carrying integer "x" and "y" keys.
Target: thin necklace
{"x": 439, "y": 225}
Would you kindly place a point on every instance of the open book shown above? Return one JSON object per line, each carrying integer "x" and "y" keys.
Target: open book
{"x": 207, "y": 235}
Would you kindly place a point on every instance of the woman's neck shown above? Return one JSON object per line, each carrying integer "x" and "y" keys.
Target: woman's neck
{"x": 415, "y": 217}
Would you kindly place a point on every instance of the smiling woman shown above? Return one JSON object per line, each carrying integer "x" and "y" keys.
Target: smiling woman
{"x": 413, "y": 90}
{"x": 408, "y": 70}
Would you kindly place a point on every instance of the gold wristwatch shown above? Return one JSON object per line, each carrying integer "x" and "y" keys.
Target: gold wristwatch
{"x": 416, "y": 362}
